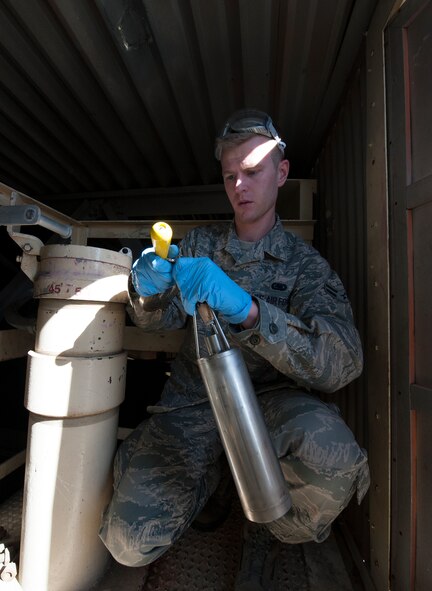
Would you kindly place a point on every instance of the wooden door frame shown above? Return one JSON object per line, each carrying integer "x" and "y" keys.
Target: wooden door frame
{"x": 403, "y": 393}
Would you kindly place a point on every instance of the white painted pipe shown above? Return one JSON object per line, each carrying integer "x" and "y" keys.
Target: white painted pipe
{"x": 75, "y": 384}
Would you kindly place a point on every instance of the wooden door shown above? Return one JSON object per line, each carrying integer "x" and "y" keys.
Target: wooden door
{"x": 409, "y": 92}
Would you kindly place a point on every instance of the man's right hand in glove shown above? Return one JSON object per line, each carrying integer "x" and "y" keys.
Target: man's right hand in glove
{"x": 151, "y": 274}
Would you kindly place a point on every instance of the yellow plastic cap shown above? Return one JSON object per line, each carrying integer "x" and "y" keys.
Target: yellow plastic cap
{"x": 161, "y": 234}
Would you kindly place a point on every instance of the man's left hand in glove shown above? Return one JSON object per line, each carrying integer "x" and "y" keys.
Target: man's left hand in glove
{"x": 201, "y": 280}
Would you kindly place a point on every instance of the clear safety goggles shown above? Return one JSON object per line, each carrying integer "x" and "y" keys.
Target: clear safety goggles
{"x": 250, "y": 121}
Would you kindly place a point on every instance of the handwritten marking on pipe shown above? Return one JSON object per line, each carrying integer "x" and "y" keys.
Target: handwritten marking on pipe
{"x": 59, "y": 287}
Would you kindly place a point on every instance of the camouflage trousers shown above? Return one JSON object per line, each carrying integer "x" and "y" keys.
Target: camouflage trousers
{"x": 167, "y": 469}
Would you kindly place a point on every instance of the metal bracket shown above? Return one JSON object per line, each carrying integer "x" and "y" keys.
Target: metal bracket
{"x": 31, "y": 246}
{"x": 31, "y": 215}
{"x": 14, "y": 216}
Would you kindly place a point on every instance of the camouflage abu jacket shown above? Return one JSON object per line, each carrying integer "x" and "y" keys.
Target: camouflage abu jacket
{"x": 305, "y": 334}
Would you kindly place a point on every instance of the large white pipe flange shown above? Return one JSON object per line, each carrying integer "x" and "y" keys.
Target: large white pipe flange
{"x": 75, "y": 384}
{"x": 82, "y": 273}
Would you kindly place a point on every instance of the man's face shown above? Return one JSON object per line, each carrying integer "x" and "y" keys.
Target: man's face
{"x": 252, "y": 179}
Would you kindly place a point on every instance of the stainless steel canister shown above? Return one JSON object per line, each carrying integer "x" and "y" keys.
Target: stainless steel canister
{"x": 255, "y": 467}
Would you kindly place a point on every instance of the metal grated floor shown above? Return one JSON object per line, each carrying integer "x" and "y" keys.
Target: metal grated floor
{"x": 208, "y": 561}
{"x": 10, "y": 516}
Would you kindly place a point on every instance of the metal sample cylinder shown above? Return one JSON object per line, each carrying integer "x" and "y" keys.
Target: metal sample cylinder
{"x": 75, "y": 384}
{"x": 256, "y": 470}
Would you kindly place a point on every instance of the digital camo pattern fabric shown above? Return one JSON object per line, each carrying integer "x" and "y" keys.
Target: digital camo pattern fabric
{"x": 306, "y": 331}
{"x": 320, "y": 459}
{"x": 168, "y": 468}
{"x": 305, "y": 339}
{"x": 163, "y": 475}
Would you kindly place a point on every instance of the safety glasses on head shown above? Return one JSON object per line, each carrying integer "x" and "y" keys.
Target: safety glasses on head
{"x": 249, "y": 121}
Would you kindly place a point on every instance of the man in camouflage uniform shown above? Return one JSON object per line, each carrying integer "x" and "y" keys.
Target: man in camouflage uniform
{"x": 279, "y": 302}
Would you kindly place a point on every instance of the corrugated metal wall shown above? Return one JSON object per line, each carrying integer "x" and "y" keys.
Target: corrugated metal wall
{"x": 341, "y": 238}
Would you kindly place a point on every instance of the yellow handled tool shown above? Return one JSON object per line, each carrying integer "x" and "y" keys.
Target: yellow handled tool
{"x": 161, "y": 234}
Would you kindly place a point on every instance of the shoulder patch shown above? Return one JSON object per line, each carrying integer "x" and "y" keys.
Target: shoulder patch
{"x": 335, "y": 288}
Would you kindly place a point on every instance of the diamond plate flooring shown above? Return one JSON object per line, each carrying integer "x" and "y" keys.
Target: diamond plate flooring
{"x": 208, "y": 561}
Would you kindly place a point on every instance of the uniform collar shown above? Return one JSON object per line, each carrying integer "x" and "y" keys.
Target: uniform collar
{"x": 275, "y": 243}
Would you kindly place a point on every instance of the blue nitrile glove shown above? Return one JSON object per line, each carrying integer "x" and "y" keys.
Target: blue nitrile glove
{"x": 201, "y": 280}
{"x": 151, "y": 274}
